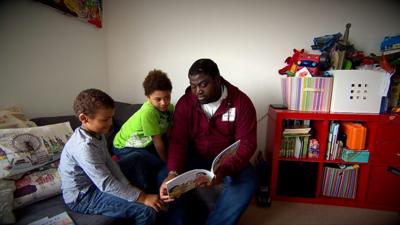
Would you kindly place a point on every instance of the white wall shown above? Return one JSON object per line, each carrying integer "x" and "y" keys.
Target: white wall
{"x": 249, "y": 40}
{"x": 46, "y": 58}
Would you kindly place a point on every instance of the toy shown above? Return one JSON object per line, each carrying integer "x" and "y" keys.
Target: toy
{"x": 300, "y": 59}
{"x": 390, "y": 43}
{"x": 310, "y": 61}
{"x": 290, "y": 69}
{"x": 303, "y": 72}
{"x": 313, "y": 151}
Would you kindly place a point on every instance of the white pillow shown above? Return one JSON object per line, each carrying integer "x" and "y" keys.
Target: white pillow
{"x": 24, "y": 149}
{"x": 7, "y": 188}
{"x": 37, "y": 185}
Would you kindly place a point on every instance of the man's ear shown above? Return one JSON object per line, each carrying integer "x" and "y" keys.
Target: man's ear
{"x": 83, "y": 118}
{"x": 218, "y": 80}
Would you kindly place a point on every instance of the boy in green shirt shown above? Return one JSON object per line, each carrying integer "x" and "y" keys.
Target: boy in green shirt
{"x": 143, "y": 135}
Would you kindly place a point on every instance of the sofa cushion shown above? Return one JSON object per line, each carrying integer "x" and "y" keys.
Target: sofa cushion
{"x": 37, "y": 185}
{"x": 24, "y": 149}
{"x": 123, "y": 111}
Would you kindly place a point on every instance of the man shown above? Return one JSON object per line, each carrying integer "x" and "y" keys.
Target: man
{"x": 210, "y": 116}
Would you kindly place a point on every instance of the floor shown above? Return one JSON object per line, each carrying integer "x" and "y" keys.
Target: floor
{"x": 290, "y": 213}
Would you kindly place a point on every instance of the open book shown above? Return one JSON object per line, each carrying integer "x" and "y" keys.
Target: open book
{"x": 193, "y": 178}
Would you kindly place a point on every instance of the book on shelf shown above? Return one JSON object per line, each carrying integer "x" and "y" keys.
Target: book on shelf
{"x": 196, "y": 177}
{"x": 295, "y": 139}
{"x": 296, "y": 123}
{"x": 297, "y": 131}
{"x": 332, "y": 141}
{"x": 295, "y": 146}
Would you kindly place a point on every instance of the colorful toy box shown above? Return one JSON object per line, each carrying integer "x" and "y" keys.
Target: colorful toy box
{"x": 360, "y": 156}
{"x": 355, "y": 135}
{"x": 312, "y": 94}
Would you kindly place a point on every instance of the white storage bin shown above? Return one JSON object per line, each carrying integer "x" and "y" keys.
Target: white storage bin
{"x": 358, "y": 91}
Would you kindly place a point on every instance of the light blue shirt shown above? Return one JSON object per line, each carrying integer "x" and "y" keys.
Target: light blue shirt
{"x": 85, "y": 161}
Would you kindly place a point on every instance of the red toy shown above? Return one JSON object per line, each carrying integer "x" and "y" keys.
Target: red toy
{"x": 298, "y": 60}
{"x": 290, "y": 61}
{"x": 310, "y": 61}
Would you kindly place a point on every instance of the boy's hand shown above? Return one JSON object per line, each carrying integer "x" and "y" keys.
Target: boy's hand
{"x": 150, "y": 200}
{"x": 163, "y": 188}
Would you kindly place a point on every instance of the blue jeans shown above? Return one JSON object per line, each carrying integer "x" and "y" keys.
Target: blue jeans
{"x": 144, "y": 167}
{"x": 233, "y": 199}
{"x": 97, "y": 202}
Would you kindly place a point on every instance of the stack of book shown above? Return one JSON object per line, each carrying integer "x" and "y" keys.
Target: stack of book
{"x": 335, "y": 144}
{"x": 295, "y": 142}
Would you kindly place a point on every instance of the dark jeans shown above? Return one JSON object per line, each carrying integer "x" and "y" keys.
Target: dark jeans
{"x": 146, "y": 173}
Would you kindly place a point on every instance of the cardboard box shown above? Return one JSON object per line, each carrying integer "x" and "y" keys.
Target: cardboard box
{"x": 360, "y": 156}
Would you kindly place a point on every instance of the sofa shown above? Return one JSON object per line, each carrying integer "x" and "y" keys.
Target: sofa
{"x": 55, "y": 205}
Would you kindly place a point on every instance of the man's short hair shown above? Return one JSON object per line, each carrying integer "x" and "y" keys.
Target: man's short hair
{"x": 156, "y": 80}
{"x": 204, "y": 66}
{"x": 89, "y": 101}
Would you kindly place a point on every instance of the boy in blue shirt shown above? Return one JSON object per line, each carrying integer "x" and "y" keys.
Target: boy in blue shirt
{"x": 92, "y": 183}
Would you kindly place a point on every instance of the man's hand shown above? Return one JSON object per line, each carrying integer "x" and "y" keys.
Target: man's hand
{"x": 163, "y": 188}
{"x": 150, "y": 200}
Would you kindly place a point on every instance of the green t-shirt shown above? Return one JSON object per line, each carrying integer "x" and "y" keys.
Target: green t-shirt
{"x": 138, "y": 130}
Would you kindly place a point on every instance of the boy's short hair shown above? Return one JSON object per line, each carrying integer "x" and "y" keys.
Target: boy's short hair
{"x": 204, "y": 66}
{"x": 156, "y": 80}
{"x": 89, "y": 101}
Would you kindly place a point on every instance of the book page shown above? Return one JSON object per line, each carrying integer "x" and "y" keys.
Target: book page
{"x": 187, "y": 181}
{"x": 227, "y": 152}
